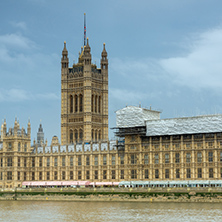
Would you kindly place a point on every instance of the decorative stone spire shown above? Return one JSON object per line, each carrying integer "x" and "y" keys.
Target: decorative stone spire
{"x": 104, "y": 60}
{"x": 65, "y": 59}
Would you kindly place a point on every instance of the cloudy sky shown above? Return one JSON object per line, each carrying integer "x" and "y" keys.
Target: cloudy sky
{"x": 166, "y": 54}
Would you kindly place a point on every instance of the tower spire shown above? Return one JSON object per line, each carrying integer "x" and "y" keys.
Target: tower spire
{"x": 84, "y": 29}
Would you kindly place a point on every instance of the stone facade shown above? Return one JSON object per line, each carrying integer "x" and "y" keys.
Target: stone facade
{"x": 84, "y": 98}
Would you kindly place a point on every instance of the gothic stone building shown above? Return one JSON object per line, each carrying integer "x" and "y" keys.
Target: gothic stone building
{"x": 148, "y": 148}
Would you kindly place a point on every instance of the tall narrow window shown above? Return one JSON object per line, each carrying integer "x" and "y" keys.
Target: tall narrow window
{"x": 80, "y": 135}
{"x": 71, "y": 161}
{"x": 80, "y": 103}
{"x": 71, "y": 104}
{"x": 167, "y": 158}
{"x": 96, "y": 98}
{"x": 48, "y": 162}
{"x": 146, "y": 159}
{"x": 92, "y": 103}
{"x": 18, "y": 161}
{"x": 63, "y": 161}
{"x": 99, "y": 135}
{"x": 96, "y": 161}
{"x": 210, "y": 156}
{"x": 76, "y": 136}
{"x": 99, "y": 104}
{"x": 19, "y": 147}
{"x": 189, "y": 173}
{"x": 167, "y": 173}
{"x": 199, "y": 172}
{"x": 188, "y": 157}
{"x": 199, "y": 157}
{"x": 40, "y": 161}
{"x": 71, "y": 136}
{"x": 92, "y": 135}
{"x": 95, "y": 135}
{"x": 177, "y": 158}
{"x": 76, "y": 103}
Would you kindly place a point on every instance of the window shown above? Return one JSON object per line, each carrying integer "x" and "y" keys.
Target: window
{"x": 133, "y": 159}
{"x": 167, "y": 173}
{"x": 177, "y": 173}
{"x": 166, "y": 146}
{"x": 19, "y": 162}
{"x": 80, "y": 103}
{"x": 221, "y": 172}
{"x": 40, "y": 161}
{"x": 80, "y": 135}
{"x": 18, "y": 176}
{"x": 146, "y": 174}
{"x": 71, "y": 175}
{"x": 177, "y": 157}
{"x": 220, "y": 156}
{"x": 121, "y": 174}
{"x": 55, "y": 162}
{"x": 9, "y": 175}
{"x": 19, "y": 147}
{"x": 87, "y": 175}
{"x": 96, "y": 104}
{"x": 87, "y": 160}
{"x": 63, "y": 161}
{"x": 167, "y": 158}
{"x": 104, "y": 160}
{"x": 211, "y": 173}
{"x": 71, "y": 136}
{"x": 55, "y": 175}
{"x": 210, "y": 156}
{"x": 92, "y": 103}
{"x": 104, "y": 174}
{"x": 25, "y": 162}
{"x": 92, "y": 135}
{"x": 79, "y": 175}
{"x": 48, "y": 161}
{"x": 76, "y": 135}
{"x": 76, "y": 103}
{"x": 146, "y": 159}
{"x": 188, "y": 173}
{"x": 188, "y": 157}
{"x": 40, "y": 175}
{"x": 9, "y": 161}
{"x": 71, "y": 104}
{"x": 113, "y": 174}
{"x": 96, "y": 160}
{"x": 79, "y": 161}
{"x": 199, "y": 172}
{"x": 133, "y": 174}
{"x": 96, "y": 175}
{"x": 33, "y": 161}
{"x": 156, "y": 173}
{"x": 113, "y": 160}
{"x": 121, "y": 159}
{"x": 156, "y": 158}
{"x": 199, "y": 157}
{"x": 25, "y": 148}
{"x": 63, "y": 175}
{"x": 33, "y": 175}
{"x": 71, "y": 161}
{"x": 99, "y": 105}
{"x": 48, "y": 175}
{"x": 25, "y": 176}
{"x": 1, "y": 160}
{"x": 0, "y": 175}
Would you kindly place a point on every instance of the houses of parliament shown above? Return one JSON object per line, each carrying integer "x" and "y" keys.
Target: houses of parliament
{"x": 146, "y": 148}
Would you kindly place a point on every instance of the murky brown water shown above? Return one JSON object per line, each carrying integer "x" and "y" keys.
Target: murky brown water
{"x": 108, "y": 211}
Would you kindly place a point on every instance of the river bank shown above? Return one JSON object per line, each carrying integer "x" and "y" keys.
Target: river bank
{"x": 115, "y": 194}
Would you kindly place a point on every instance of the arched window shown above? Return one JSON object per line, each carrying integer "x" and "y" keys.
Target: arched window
{"x": 76, "y": 136}
{"x": 92, "y": 135}
{"x": 96, "y": 104}
{"x": 71, "y": 136}
{"x": 80, "y": 103}
{"x": 95, "y": 135}
{"x": 76, "y": 103}
{"x": 92, "y": 103}
{"x": 71, "y": 104}
{"x": 80, "y": 135}
{"x": 99, "y": 135}
{"x": 99, "y": 105}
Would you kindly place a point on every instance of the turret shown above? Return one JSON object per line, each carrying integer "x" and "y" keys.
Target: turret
{"x": 104, "y": 60}
{"x": 87, "y": 54}
{"x": 16, "y": 127}
{"x": 65, "y": 59}
{"x": 29, "y": 129}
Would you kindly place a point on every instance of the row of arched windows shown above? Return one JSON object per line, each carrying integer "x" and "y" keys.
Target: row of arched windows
{"x": 96, "y": 135}
{"x": 76, "y": 103}
{"x": 96, "y": 104}
{"x": 76, "y": 136}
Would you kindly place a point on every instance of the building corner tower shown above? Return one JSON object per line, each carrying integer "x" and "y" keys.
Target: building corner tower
{"x": 84, "y": 98}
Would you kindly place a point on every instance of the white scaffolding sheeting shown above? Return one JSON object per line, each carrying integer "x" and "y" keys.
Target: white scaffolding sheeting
{"x": 185, "y": 125}
{"x": 132, "y": 116}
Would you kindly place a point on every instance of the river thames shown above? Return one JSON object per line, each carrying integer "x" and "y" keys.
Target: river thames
{"x": 108, "y": 211}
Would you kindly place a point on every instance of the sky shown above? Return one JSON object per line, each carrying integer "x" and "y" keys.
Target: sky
{"x": 166, "y": 54}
